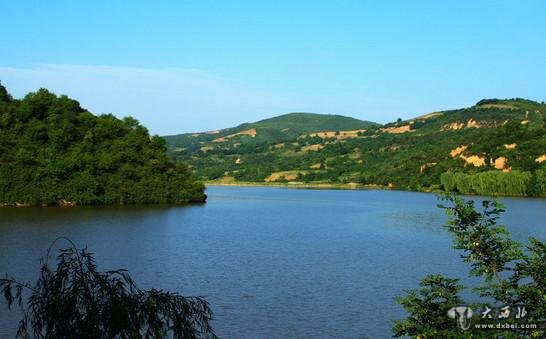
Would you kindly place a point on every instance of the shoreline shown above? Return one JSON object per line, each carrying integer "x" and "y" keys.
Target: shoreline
{"x": 301, "y": 185}
{"x": 352, "y": 187}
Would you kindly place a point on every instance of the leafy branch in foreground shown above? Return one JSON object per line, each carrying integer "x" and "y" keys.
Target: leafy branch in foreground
{"x": 77, "y": 301}
{"x": 511, "y": 277}
{"x": 428, "y": 307}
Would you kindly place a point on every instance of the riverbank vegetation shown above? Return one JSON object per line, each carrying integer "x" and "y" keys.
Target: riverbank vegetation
{"x": 54, "y": 152}
{"x": 514, "y": 183}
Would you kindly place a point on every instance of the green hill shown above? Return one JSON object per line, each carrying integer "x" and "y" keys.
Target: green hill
{"x": 494, "y": 147}
{"x": 277, "y": 129}
{"x": 311, "y": 122}
{"x": 53, "y": 152}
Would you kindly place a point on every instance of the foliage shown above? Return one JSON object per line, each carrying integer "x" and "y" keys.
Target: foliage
{"x": 493, "y": 182}
{"x": 428, "y": 307}
{"x": 413, "y": 160}
{"x": 510, "y": 276}
{"x": 52, "y": 151}
{"x": 4, "y": 95}
{"x": 77, "y": 301}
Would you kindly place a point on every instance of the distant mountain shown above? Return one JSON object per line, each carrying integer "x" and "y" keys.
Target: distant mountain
{"x": 276, "y": 129}
{"x": 494, "y": 147}
{"x": 311, "y": 122}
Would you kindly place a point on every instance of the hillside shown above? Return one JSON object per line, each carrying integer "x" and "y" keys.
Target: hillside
{"x": 494, "y": 147}
{"x": 282, "y": 128}
{"x": 53, "y": 152}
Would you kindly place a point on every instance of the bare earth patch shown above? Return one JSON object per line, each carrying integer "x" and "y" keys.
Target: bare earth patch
{"x": 510, "y": 146}
{"x": 453, "y": 126}
{"x": 460, "y": 125}
{"x": 314, "y": 147}
{"x": 455, "y": 152}
{"x": 207, "y": 132}
{"x": 287, "y": 175}
{"x": 473, "y": 124}
{"x": 541, "y": 159}
{"x": 474, "y": 160}
{"x": 428, "y": 116}
{"x": 398, "y": 129}
{"x": 339, "y": 135}
{"x": 500, "y": 163}
{"x": 249, "y": 132}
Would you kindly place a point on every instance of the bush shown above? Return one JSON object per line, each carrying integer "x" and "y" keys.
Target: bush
{"x": 511, "y": 275}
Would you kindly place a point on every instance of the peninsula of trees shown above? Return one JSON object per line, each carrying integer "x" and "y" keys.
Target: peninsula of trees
{"x": 54, "y": 152}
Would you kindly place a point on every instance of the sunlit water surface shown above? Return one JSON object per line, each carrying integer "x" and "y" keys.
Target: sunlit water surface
{"x": 273, "y": 263}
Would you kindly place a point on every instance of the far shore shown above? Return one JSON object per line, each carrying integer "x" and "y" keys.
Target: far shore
{"x": 347, "y": 186}
{"x": 295, "y": 184}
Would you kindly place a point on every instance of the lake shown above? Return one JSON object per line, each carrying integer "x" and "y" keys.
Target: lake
{"x": 272, "y": 262}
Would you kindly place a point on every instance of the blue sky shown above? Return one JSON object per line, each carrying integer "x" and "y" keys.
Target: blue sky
{"x": 186, "y": 66}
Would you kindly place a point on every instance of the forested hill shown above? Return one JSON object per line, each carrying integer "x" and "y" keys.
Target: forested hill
{"x": 53, "y": 152}
{"x": 493, "y": 147}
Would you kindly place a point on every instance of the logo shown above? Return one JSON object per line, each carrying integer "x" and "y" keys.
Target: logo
{"x": 462, "y": 314}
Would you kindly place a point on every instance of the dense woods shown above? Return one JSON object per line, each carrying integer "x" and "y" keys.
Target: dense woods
{"x": 52, "y": 151}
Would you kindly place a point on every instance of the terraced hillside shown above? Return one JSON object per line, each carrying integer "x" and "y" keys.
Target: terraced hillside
{"x": 493, "y": 147}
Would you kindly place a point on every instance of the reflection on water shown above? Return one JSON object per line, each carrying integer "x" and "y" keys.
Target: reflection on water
{"x": 274, "y": 263}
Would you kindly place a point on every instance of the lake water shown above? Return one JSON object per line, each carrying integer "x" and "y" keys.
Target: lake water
{"x": 272, "y": 262}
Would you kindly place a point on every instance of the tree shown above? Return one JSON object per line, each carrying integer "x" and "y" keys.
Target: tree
{"x": 77, "y": 301}
{"x": 510, "y": 276}
{"x": 4, "y": 95}
{"x": 428, "y": 307}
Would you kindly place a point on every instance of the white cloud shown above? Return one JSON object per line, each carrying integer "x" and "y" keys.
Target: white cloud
{"x": 166, "y": 100}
